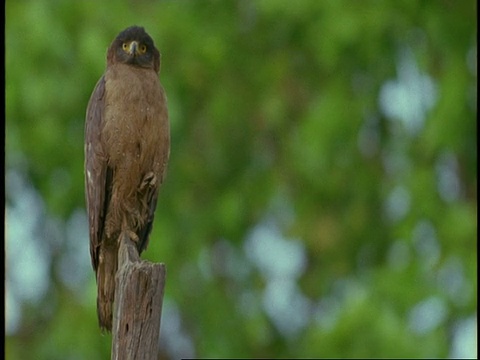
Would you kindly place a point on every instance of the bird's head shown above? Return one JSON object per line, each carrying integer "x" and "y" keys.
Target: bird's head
{"x": 135, "y": 47}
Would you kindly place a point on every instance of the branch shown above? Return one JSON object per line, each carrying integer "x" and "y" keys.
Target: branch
{"x": 139, "y": 287}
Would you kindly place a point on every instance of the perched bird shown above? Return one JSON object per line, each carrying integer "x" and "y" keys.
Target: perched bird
{"x": 127, "y": 146}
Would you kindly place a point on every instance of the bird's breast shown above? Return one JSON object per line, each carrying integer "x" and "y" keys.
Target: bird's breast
{"x": 136, "y": 119}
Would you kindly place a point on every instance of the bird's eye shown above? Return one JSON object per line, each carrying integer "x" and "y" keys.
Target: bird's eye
{"x": 143, "y": 48}
{"x": 125, "y": 46}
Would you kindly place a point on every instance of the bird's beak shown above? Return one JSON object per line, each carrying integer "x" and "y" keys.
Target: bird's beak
{"x": 133, "y": 50}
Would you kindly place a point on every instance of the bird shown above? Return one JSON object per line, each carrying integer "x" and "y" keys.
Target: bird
{"x": 127, "y": 148}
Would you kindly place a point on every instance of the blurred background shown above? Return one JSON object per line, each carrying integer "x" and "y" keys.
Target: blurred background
{"x": 321, "y": 196}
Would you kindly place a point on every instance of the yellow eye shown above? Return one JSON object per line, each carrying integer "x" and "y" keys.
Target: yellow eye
{"x": 143, "y": 48}
{"x": 125, "y": 46}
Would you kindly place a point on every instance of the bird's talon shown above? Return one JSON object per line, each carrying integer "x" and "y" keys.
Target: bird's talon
{"x": 133, "y": 236}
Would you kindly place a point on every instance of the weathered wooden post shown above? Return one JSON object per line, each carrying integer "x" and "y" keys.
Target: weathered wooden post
{"x": 138, "y": 305}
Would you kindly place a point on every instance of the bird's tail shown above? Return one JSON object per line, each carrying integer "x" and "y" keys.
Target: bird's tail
{"x": 107, "y": 268}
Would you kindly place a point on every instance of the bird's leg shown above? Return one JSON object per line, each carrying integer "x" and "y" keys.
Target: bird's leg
{"x": 130, "y": 233}
{"x": 149, "y": 179}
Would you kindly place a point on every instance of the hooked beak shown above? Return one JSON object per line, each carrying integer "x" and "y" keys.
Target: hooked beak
{"x": 133, "y": 50}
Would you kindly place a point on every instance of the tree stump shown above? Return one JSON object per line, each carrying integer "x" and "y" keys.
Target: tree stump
{"x": 139, "y": 287}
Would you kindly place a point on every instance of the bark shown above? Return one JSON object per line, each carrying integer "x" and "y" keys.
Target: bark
{"x": 138, "y": 305}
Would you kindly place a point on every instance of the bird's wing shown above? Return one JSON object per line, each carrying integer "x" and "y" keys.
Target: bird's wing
{"x": 144, "y": 231}
{"x": 96, "y": 172}
{"x": 152, "y": 192}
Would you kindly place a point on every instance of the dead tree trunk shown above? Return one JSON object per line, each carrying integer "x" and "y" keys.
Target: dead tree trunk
{"x": 139, "y": 287}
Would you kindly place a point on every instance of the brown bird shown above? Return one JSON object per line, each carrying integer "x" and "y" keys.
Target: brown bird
{"x": 127, "y": 145}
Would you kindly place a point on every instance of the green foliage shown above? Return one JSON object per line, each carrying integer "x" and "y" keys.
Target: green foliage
{"x": 276, "y": 118}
